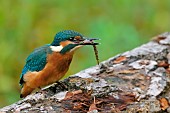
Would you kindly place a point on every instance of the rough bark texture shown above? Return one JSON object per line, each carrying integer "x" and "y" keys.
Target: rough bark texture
{"x": 135, "y": 81}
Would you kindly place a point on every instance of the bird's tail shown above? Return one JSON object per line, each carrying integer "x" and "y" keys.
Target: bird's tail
{"x": 26, "y": 90}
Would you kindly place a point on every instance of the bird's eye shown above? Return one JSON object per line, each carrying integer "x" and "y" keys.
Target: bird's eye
{"x": 71, "y": 38}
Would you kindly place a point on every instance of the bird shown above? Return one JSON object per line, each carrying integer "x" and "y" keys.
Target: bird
{"x": 49, "y": 63}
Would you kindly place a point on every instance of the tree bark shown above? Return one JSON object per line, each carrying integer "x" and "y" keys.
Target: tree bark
{"x": 135, "y": 81}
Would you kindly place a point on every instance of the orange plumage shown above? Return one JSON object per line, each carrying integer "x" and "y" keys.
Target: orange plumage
{"x": 49, "y": 63}
{"x": 56, "y": 67}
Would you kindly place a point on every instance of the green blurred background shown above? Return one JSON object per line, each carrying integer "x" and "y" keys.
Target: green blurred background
{"x": 28, "y": 24}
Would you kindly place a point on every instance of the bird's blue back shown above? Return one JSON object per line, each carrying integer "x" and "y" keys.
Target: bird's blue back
{"x": 36, "y": 61}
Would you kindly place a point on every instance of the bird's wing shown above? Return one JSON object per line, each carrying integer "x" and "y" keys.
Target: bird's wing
{"x": 36, "y": 61}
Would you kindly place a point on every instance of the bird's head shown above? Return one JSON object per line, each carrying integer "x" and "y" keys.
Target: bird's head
{"x": 69, "y": 40}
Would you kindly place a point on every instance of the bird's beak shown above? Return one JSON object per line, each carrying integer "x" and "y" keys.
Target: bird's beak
{"x": 89, "y": 41}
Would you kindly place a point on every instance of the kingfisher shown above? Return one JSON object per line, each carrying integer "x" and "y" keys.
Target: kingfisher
{"x": 49, "y": 63}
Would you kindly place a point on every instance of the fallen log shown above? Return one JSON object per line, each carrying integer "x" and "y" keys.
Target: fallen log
{"x": 134, "y": 81}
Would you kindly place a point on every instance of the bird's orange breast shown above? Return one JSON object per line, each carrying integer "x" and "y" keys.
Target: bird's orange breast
{"x": 56, "y": 67}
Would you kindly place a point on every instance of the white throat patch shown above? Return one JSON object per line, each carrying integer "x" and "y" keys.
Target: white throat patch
{"x": 56, "y": 48}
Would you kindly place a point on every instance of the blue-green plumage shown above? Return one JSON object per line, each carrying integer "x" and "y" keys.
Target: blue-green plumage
{"x": 67, "y": 48}
{"x": 64, "y": 35}
{"x": 36, "y": 61}
{"x": 51, "y": 68}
